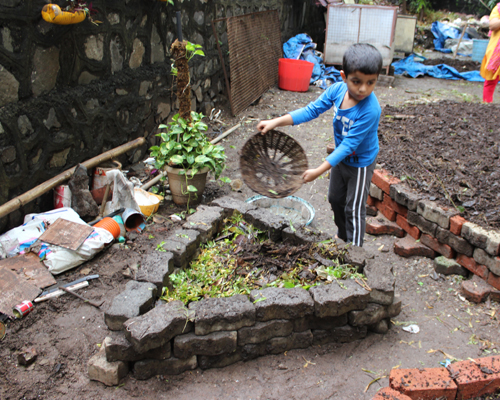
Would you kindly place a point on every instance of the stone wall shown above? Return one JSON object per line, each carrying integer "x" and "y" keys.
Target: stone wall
{"x": 72, "y": 92}
{"x": 169, "y": 338}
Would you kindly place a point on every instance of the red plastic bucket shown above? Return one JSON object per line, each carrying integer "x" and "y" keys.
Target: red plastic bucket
{"x": 294, "y": 75}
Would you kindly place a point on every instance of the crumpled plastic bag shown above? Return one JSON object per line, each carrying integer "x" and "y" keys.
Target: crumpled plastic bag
{"x": 123, "y": 193}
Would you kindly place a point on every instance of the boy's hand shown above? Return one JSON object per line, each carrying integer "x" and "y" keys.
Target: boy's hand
{"x": 310, "y": 175}
{"x": 266, "y": 126}
{"x": 269, "y": 124}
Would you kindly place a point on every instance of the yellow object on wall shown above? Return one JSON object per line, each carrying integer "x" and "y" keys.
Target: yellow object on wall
{"x": 52, "y": 13}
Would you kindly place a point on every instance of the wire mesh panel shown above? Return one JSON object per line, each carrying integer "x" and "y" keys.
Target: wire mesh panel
{"x": 254, "y": 42}
{"x": 352, "y": 23}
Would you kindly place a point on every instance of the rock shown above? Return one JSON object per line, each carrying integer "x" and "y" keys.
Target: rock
{"x": 109, "y": 373}
{"x": 281, "y": 303}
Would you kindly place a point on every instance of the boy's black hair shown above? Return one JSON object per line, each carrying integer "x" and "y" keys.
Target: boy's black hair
{"x": 362, "y": 57}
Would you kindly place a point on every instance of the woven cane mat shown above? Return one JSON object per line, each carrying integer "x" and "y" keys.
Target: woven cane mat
{"x": 272, "y": 164}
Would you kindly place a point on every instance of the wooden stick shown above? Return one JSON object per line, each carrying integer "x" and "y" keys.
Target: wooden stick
{"x": 37, "y": 191}
{"x": 218, "y": 138}
{"x": 459, "y": 40}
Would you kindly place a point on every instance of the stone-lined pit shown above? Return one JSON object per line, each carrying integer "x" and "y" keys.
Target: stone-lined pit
{"x": 212, "y": 333}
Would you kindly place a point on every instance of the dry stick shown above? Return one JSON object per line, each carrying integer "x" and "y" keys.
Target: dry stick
{"x": 459, "y": 40}
{"x": 37, "y": 191}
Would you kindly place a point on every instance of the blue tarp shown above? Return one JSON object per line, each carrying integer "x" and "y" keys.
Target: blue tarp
{"x": 410, "y": 66}
{"x": 442, "y": 32}
{"x": 302, "y": 44}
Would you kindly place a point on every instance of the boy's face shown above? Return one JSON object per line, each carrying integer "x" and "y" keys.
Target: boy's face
{"x": 359, "y": 85}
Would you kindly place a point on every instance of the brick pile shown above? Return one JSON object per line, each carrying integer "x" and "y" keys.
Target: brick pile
{"x": 433, "y": 230}
{"x": 461, "y": 380}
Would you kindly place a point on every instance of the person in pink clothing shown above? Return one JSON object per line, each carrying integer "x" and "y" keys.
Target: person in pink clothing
{"x": 490, "y": 67}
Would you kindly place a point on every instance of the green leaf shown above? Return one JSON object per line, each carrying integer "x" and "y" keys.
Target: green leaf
{"x": 191, "y": 189}
{"x": 288, "y": 285}
{"x": 186, "y": 136}
{"x": 177, "y": 159}
{"x": 162, "y": 126}
{"x": 190, "y": 159}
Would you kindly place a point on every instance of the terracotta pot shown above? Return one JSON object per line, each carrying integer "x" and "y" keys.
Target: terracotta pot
{"x": 178, "y": 185}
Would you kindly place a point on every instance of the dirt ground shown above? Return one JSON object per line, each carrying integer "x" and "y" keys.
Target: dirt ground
{"x": 66, "y": 332}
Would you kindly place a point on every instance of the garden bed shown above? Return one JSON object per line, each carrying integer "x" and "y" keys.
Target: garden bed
{"x": 448, "y": 152}
{"x": 263, "y": 309}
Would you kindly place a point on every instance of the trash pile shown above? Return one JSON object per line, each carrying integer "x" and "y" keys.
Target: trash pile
{"x": 450, "y": 35}
{"x": 301, "y": 47}
{"x": 88, "y": 216}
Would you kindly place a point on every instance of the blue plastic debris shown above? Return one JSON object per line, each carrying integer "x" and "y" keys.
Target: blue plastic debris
{"x": 301, "y": 47}
{"x": 410, "y": 66}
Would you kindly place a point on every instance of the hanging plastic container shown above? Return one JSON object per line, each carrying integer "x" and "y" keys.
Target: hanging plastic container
{"x": 294, "y": 75}
{"x": 62, "y": 196}
{"x": 110, "y": 225}
{"x": 52, "y": 13}
{"x": 100, "y": 180}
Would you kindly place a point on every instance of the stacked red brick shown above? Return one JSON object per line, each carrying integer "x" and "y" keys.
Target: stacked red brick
{"x": 461, "y": 380}
{"x": 439, "y": 229}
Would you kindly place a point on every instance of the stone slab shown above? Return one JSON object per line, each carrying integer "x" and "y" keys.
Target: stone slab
{"x": 447, "y": 266}
{"x": 224, "y": 314}
{"x": 158, "y": 326}
{"x": 343, "y": 334}
{"x": 207, "y": 220}
{"x": 281, "y": 303}
{"x": 188, "y": 237}
{"x": 409, "y": 247}
{"x": 332, "y": 300}
{"x": 213, "y": 344}
{"x": 101, "y": 370}
{"x": 434, "y": 213}
{"x": 155, "y": 267}
{"x": 266, "y": 221}
{"x": 136, "y": 299}
{"x": 457, "y": 243}
{"x": 206, "y": 362}
{"x": 230, "y": 204}
{"x": 381, "y": 281}
{"x": 303, "y": 235}
{"x": 263, "y": 331}
{"x": 146, "y": 369}
{"x": 118, "y": 348}
{"x": 405, "y": 196}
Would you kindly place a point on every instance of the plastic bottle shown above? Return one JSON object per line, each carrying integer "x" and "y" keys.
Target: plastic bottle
{"x": 119, "y": 219}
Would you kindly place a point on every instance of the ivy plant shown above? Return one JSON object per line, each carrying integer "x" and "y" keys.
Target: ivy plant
{"x": 184, "y": 145}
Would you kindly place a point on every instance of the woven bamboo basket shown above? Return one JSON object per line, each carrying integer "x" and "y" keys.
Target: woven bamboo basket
{"x": 272, "y": 164}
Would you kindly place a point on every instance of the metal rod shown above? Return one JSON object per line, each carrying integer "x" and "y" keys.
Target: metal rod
{"x": 92, "y": 303}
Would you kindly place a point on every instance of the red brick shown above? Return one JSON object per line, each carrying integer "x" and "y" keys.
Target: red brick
{"x": 408, "y": 247}
{"x": 476, "y": 289}
{"x": 456, "y": 223}
{"x": 371, "y": 201}
{"x": 436, "y": 245}
{"x": 402, "y": 210}
{"x": 476, "y": 378}
{"x": 383, "y": 179}
{"x": 390, "y": 394}
{"x": 389, "y": 213}
{"x": 382, "y": 226}
{"x": 473, "y": 266}
{"x": 424, "y": 384}
{"x": 411, "y": 230}
{"x": 494, "y": 280}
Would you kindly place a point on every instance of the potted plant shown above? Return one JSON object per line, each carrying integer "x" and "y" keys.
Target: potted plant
{"x": 185, "y": 151}
{"x": 187, "y": 155}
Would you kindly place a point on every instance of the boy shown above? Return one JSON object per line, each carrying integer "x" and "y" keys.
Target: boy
{"x": 355, "y": 124}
